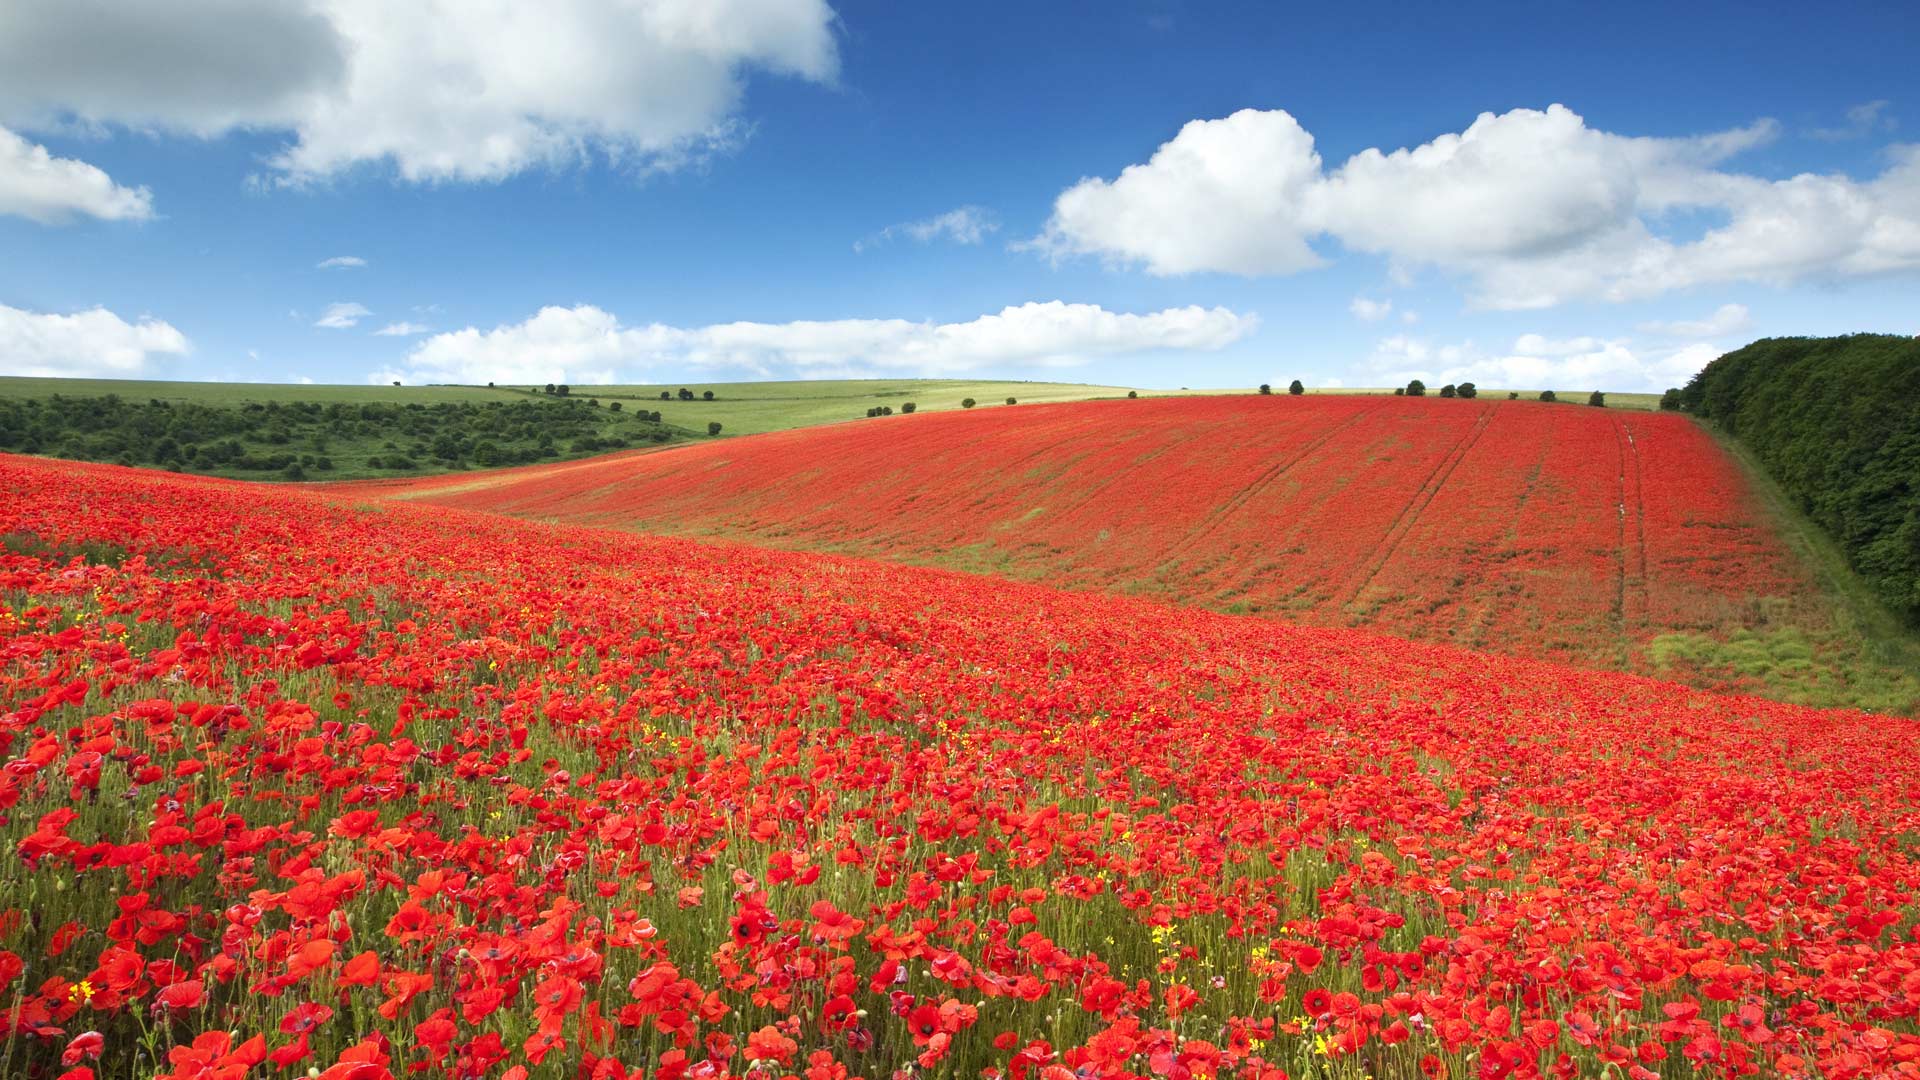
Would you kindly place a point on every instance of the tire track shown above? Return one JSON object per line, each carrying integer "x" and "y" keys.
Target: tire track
{"x": 1410, "y": 512}
{"x": 1258, "y": 484}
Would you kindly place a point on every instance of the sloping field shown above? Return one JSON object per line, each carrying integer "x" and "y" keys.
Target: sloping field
{"x": 292, "y": 787}
{"x": 1602, "y": 537}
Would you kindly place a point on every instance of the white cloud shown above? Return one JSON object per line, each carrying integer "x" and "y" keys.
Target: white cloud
{"x": 1727, "y": 319}
{"x": 962, "y": 225}
{"x": 1370, "y": 310}
{"x": 341, "y": 262}
{"x": 92, "y": 343}
{"x": 1409, "y": 317}
{"x": 1862, "y": 120}
{"x": 342, "y": 316}
{"x": 1532, "y": 207}
{"x": 51, "y": 190}
{"x": 585, "y": 344}
{"x": 1536, "y": 362}
{"x": 402, "y": 329}
{"x": 436, "y": 89}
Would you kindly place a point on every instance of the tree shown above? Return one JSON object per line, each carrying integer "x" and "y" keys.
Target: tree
{"x": 1447, "y": 390}
{"x": 613, "y": 406}
{"x": 562, "y": 390}
{"x": 708, "y": 395}
{"x": 686, "y": 394}
{"x": 713, "y": 427}
{"x": 1547, "y": 395}
{"x": 396, "y": 382}
{"x": 907, "y": 407}
{"x": 1597, "y": 399}
{"x": 1399, "y": 391}
{"x": 549, "y": 388}
{"x": 1513, "y": 395}
{"x": 665, "y": 396}
{"x": 966, "y": 403}
{"x": 1013, "y": 401}
{"x": 1133, "y": 393}
{"x": 1416, "y": 388}
{"x": 1265, "y": 389}
{"x": 1670, "y": 401}
{"x": 1467, "y": 390}
{"x": 1295, "y": 388}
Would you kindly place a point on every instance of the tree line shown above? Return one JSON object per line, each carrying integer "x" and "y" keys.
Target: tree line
{"x": 1836, "y": 422}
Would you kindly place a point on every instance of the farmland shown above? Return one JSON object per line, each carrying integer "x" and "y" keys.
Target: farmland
{"x": 1606, "y": 538}
{"x": 298, "y": 781}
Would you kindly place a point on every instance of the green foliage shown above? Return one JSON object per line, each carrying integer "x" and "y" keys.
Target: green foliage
{"x": 1548, "y": 395}
{"x": 1416, "y": 388}
{"x": 1447, "y": 390}
{"x": 1670, "y": 401}
{"x": 1597, "y": 399}
{"x": 713, "y": 427}
{"x": 1513, "y": 395}
{"x": 1467, "y": 390}
{"x": 1013, "y": 401}
{"x": 1265, "y": 388}
{"x": 1295, "y": 388}
{"x": 966, "y": 403}
{"x": 1836, "y": 422}
{"x": 1133, "y": 393}
{"x": 907, "y": 407}
{"x": 313, "y": 440}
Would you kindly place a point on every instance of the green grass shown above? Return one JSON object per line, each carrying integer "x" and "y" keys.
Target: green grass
{"x": 750, "y": 408}
{"x": 1876, "y": 654}
{"x": 214, "y": 393}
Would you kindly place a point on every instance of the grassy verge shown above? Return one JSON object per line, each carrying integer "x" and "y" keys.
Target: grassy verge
{"x": 1877, "y": 654}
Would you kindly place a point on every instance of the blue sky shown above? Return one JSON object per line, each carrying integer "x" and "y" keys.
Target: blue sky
{"x": 1148, "y": 193}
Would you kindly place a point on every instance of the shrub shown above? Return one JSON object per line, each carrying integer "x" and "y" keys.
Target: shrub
{"x": 1013, "y": 401}
{"x": 1513, "y": 395}
{"x": 1467, "y": 390}
{"x": 1399, "y": 391}
{"x": 1597, "y": 399}
{"x": 1670, "y": 401}
{"x": 1416, "y": 388}
{"x": 966, "y": 403}
{"x": 1548, "y": 395}
{"x": 1133, "y": 393}
{"x": 686, "y": 394}
{"x": 1447, "y": 390}
{"x": 713, "y": 427}
{"x": 613, "y": 406}
{"x": 549, "y": 389}
{"x": 907, "y": 408}
{"x": 562, "y": 390}
{"x": 1265, "y": 389}
{"x": 708, "y": 395}
{"x": 1295, "y": 388}
{"x": 664, "y": 396}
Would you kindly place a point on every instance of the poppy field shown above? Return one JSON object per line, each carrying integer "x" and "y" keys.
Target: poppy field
{"x": 297, "y": 783}
{"x": 1556, "y": 532}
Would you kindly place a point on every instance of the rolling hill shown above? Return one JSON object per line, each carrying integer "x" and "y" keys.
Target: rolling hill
{"x": 1606, "y": 538}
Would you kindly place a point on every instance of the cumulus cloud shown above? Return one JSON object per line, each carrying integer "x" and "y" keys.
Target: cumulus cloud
{"x": 1537, "y": 362}
{"x": 341, "y": 262}
{"x": 437, "y": 89}
{"x": 93, "y": 343}
{"x": 402, "y": 329}
{"x": 585, "y": 344}
{"x": 1370, "y": 310}
{"x": 961, "y": 225}
{"x": 1532, "y": 207}
{"x": 342, "y": 316}
{"x": 52, "y": 190}
{"x": 1727, "y": 319}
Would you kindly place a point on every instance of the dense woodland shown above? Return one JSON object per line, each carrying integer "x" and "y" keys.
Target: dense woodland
{"x": 1836, "y": 421}
{"x": 318, "y": 440}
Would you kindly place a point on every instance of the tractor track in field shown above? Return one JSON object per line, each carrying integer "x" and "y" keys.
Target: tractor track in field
{"x": 1403, "y": 522}
{"x": 1258, "y": 484}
